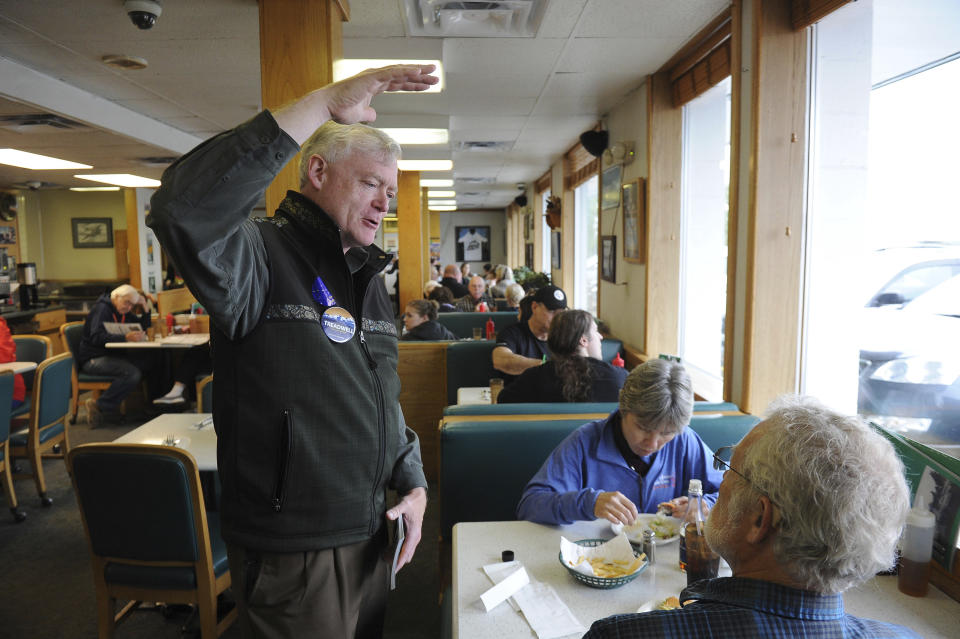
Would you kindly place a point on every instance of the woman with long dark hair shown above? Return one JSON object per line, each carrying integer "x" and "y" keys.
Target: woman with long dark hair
{"x": 576, "y": 372}
{"x": 420, "y": 320}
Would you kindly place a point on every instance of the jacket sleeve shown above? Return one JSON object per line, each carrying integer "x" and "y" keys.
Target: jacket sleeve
{"x": 556, "y": 494}
{"x": 96, "y": 335}
{"x": 408, "y": 468}
{"x": 201, "y": 215}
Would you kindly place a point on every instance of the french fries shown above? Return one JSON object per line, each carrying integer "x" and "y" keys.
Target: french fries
{"x": 610, "y": 569}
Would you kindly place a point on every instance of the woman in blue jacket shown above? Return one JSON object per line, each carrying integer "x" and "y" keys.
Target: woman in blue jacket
{"x": 640, "y": 456}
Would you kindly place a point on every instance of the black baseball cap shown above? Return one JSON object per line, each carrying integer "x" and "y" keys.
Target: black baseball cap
{"x": 552, "y": 297}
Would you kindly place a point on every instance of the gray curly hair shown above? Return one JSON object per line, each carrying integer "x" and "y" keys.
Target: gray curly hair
{"x": 333, "y": 141}
{"x": 840, "y": 489}
{"x": 660, "y": 394}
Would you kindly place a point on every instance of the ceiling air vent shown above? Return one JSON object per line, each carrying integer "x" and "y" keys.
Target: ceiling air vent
{"x": 476, "y": 180}
{"x": 477, "y": 145}
{"x": 493, "y": 19}
{"x": 158, "y": 160}
{"x": 38, "y": 123}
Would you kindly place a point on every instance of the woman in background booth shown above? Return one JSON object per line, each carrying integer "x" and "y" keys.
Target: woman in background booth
{"x": 504, "y": 277}
{"x": 419, "y": 318}
{"x": 575, "y": 372}
{"x": 515, "y": 293}
{"x": 444, "y": 298}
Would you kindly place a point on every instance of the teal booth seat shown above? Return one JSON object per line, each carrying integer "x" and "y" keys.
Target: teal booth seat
{"x": 610, "y": 348}
{"x": 469, "y": 363}
{"x": 538, "y": 408}
{"x": 462, "y": 324}
{"x": 484, "y": 465}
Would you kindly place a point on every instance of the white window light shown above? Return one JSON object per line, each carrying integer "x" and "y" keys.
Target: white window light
{"x": 345, "y": 68}
{"x": 429, "y": 183}
{"x": 418, "y": 136}
{"x": 121, "y": 179}
{"x": 24, "y": 160}
{"x": 84, "y": 189}
{"x": 425, "y": 165}
{"x": 442, "y": 208}
{"x": 441, "y": 194}
{"x": 442, "y": 202}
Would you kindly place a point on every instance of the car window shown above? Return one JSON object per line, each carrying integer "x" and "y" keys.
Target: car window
{"x": 943, "y": 299}
{"x": 914, "y": 281}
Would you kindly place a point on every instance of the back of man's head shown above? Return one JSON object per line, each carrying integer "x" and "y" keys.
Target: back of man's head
{"x": 451, "y": 270}
{"x": 840, "y": 490}
{"x": 333, "y": 141}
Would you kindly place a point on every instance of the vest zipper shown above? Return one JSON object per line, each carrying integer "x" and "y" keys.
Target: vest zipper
{"x": 283, "y": 458}
{"x": 382, "y": 431}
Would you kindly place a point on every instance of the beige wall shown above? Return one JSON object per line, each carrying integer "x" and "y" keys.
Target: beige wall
{"x": 48, "y": 237}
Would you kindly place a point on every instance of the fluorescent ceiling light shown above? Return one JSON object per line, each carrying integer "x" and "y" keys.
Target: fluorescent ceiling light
{"x": 36, "y": 162}
{"x": 94, "y": 188}
{"x": 441, "y": 194}
{"x": 418, "y": 136}
{"x": 348, "y": 67}
{"x": 425, "y": 165}
{"x": 121, "y": 179}
{"x": 442, "y": 202}
{"x": 436, "y": 183}
{"x": 442, "y": 208}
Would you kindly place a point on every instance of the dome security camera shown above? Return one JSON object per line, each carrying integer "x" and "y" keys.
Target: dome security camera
{"x": 143, "y": 13}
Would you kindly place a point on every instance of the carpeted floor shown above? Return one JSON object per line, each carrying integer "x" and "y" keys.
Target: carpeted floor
{"x": 46, "y": 587}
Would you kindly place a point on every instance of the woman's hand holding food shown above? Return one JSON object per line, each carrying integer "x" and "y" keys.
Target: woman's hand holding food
{"x": 614, "y": 506}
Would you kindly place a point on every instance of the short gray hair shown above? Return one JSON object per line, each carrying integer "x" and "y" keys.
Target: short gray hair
{"x": 840, "y": 489}
{"x": 124, "y": 291}
{"x": 333, "y": 141}
{"x": 660, "y": 394}
{"x": 514, "y": 294}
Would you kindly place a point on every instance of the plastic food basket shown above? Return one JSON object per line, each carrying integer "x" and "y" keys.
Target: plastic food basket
{"x": 601, "y": 582}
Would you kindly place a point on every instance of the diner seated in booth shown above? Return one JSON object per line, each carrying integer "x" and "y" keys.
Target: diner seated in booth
{"x": 420, "y": 322}
{"x": 524, "y": 345}
{"x": 476, "y": 298}
{"x": 504, "y": 276}
{"x": 576, "y": 371}
{"x": 639, "y": 458}
{"x": 514, "y": 294}
{"x": 444, "y": 298}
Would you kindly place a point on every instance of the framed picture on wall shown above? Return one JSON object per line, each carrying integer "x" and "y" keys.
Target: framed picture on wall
{"x": 635, "y": 221}
{"x": 555, "y": 250}
{"x": 8, "y": 235}
{"x": 608, "y": 258}
{"x": 610, "y": 187}
{"x": 473, "y": 243}
{"x": 92, "y": 232}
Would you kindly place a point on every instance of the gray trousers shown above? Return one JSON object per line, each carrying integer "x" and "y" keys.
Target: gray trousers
{"x": 336, "y": 593}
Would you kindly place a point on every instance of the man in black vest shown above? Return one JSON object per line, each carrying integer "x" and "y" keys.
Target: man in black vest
{"x": 306, "y": 394}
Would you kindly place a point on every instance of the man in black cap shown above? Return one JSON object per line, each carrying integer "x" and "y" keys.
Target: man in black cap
{"x": 524, "y": 345}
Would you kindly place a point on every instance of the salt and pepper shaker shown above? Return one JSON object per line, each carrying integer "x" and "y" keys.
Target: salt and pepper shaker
{"x": 650, "y": 546}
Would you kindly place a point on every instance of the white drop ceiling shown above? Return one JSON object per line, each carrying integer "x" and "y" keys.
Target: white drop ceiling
{"x": 533, "y": 95}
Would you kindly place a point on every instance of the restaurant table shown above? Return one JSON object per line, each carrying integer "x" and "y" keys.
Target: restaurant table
{"x": 476, "y": 544}
{"x": 184, "y": 340}
{"x": 183, "y": 428}
{"x": 18, "y": 367}
{"x": 473, "y": 395}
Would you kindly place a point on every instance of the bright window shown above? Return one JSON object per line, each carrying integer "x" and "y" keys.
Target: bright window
{"x": 703, "y": 245}
{"x": 585, "y": 249}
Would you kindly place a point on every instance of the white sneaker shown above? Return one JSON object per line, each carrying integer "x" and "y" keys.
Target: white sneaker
{"x": 170, "y": 400}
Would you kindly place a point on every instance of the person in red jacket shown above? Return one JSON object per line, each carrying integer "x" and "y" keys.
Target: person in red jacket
{"x": 8, "y": 353}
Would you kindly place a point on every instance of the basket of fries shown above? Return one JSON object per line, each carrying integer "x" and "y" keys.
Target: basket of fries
{"x": 607, "y": 572}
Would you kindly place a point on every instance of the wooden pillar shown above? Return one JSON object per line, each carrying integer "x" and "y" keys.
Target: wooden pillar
{"x": 410, "y": 232}
{"x": 132, "y": 257}
{"x": 425, "y": 225}
{"x": 299, "y": 42}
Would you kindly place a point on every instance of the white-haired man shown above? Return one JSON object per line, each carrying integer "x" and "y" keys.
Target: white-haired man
{"x": 812, "y": 503}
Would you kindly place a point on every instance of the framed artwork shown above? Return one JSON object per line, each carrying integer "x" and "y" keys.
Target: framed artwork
{"x": 528, "y": 255}
{"x": 635, "y": 221}
{"x": 610, "y": 187}
{"x": 608, "y": 258}
{"x": 8, "y": 235}
{"x": 555, "y": 249}
{"x": 473, "y": 243}
{"x": 92, "y": 232}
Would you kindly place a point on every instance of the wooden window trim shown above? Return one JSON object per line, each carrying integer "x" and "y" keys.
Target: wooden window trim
{"x": 804, "y": 13}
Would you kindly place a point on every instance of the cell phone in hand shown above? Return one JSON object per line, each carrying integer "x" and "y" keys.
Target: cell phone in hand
{"x": 398, "y": 536}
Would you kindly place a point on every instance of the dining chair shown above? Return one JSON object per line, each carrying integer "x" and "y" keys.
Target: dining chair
{"x": 150, "y": 536}
{"x": 70, "y": 335}
{"x": 6, "y": 397}
{"x": 30, "y": 348}
{"x": 205, "y": 395}
{"x": 47, "y": 434}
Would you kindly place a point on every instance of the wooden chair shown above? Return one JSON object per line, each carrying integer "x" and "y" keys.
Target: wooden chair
{"x": 30, "y": 348}
{"x": 150, "y": 536}
{"x": 6, "y": 397}
{"x": 48, "y": 434}
{"x": 205, "y": 395}
{"x": 70, "y": 334}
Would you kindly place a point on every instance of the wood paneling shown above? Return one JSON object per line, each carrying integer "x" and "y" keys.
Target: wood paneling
{"x": 132, "y": 254}
{"x": 299, "y": 41}
{"x": 730, "y": 341}
{"x": 664, "y": 149}
{"x": 410, "y": 234}
{"x": 422, "y": 368}
{"x": 120, "y": 253}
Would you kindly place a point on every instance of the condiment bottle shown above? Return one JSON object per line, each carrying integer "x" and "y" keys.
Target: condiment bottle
{"x": 694, "y": 484}
{"x": 491, "y": 327}
{"x": 916, "y": 547}
{"x": 702, "y": 562}
{"x": 169, "y": 320}
{"x": 617, "y": 361}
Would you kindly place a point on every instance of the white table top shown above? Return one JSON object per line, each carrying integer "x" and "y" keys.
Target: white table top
{"x": 18, "y": 367}
{"x": 184, "y": 340}
{"x": 199, "y": 442}
{"x": 479, "y": 543}
{"x": 473, "y": 395}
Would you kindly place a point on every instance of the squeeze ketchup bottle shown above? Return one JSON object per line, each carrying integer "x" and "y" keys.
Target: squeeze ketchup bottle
{"x": 490, "y": 328}
{"x": 617, "y": 361}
